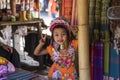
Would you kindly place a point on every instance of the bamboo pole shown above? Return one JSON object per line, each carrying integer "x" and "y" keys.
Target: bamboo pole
{"x": 83, "y": 40}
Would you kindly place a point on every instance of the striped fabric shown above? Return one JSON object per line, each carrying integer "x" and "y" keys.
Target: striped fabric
{"x": 91, "y": 17}
{"x": 98, "y": 60}
{"x": 97, "y": 13}
{"x": 114, "y": 57}
{"x": 104, "y": 36}
{"x": 74, "y": 16}
{"x": 104, "y": 19}
{"x": 92, "y": 60}
{"x": 91, "y": 13}
{"x": 114, "y": 70}
{"x": 106, "y": 57}
{"x": 67, "y": 9}
{"x": 22, "y": 75}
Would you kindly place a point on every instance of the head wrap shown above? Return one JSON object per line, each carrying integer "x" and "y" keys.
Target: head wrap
{"x": 63, "y": 22}
{"x": 59, "y": 21}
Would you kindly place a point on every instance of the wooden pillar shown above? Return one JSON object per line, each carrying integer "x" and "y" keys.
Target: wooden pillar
{"x": 38, "y": 4}
{"x": 13, "y": 7}
{"x": 83, "y": 40}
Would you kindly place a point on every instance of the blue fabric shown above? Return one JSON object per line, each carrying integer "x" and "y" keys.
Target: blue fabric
{"x": 22, "y": 75}
{"x": 54, "y": 15}
{"x": 114, "y": 64}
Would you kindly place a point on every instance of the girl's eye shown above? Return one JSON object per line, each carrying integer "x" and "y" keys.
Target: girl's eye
{"x": 56, "y": 34}
{"x": 63, "y": 33}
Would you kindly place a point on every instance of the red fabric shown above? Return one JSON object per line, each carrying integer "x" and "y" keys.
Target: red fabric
{"x": 67, "y": 9}
{"x": 59, "y": 21}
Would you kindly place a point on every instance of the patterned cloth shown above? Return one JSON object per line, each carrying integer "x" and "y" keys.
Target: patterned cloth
{"x": 59, "y": 21}
{"x": 63, "y": 66}
{"x": 5, "y": 70}
{"x": 21, "y": 74}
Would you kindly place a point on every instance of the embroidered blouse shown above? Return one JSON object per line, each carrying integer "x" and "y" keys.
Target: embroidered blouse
{"x": 63, "y": 63}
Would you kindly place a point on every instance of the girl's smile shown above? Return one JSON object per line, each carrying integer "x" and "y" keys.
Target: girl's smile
{"x": 60, "y": 41}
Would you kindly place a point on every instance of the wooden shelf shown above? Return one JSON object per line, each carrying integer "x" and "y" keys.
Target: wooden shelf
{"x": 16, "y": 23}
{"x": 29, "y": 23}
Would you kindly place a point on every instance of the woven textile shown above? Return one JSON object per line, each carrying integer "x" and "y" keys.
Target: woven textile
{"x": 20, "y": 74}
{"x": 67, "y": 9}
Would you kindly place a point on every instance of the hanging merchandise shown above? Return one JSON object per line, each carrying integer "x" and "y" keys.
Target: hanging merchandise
{"x": 22, "y": 30}
{"x": 8, "y": 4}
{"x": 67, "y": 9}
{"x": 74, "y": 16}
{"x": 91, "y": 18}
{"x": 7, "y": 34}
{"x": 27, "y": 8}
{"x": 27, "y": 2}
{"x": 22, "y": 16}
{"x": 113, "y": 13}
{"x": 31, "y": 5}
{"x": 35, "y": 11}
{"x": 22, "y": 5}
{"x": 104, "y": 36}
{"x": 98, "y": 60}
{"x": 3, "y": 4}
{"x": 24, "y": 9}
{"x": 106, "y": 53}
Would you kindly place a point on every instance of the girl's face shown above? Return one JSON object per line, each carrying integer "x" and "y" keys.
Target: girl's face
{"x": 60, "y": 35}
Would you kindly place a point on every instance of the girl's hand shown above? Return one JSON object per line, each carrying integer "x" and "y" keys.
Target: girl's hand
{"x": 74, "y": 30}
{"x": 43, "y": 39}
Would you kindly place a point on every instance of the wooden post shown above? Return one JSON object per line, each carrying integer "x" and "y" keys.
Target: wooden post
{"x": 83, "y": 40}
{"x": 38, "y": 4}
{"x": 13, "y": 7}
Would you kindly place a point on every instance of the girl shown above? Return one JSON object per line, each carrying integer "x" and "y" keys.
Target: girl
{"x": 62, "y": 51}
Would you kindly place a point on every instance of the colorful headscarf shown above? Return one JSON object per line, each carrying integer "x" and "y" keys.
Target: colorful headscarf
{"x": 59, "y": 21}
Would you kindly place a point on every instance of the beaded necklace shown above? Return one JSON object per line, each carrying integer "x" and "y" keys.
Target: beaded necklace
{"x": 64, "y": 60}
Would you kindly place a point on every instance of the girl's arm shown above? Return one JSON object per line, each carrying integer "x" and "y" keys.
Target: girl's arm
{"x": 39, "y": 49}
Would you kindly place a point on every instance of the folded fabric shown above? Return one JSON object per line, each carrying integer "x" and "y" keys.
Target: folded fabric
{"x": 6, "y": 69}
